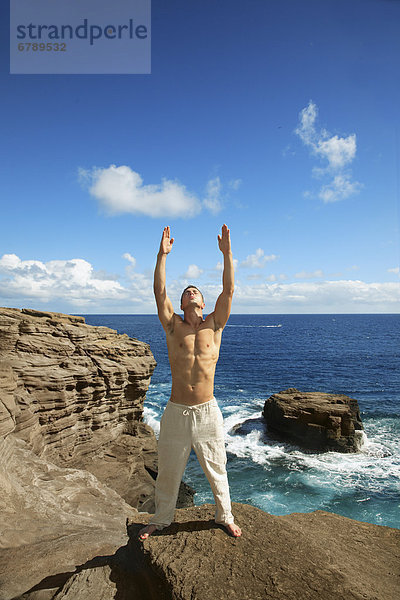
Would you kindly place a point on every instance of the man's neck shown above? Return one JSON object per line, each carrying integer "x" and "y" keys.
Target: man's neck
{"x": 193, "y": 316}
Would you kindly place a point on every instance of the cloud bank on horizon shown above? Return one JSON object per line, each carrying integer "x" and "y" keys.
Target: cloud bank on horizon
{"x": 339, "y": 152}
{"x": 80, "y": 287}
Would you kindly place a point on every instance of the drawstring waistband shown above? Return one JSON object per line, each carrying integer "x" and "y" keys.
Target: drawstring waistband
{"x": 191, "y": 409}
{"x": 188, "y": 409}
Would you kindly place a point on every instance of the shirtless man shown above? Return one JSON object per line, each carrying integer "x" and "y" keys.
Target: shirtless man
{"x": 192, "y": 418}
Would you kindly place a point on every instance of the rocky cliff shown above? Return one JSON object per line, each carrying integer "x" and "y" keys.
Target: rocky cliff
{"x": 63, "y": 381}
{"x": 75, "y": 457}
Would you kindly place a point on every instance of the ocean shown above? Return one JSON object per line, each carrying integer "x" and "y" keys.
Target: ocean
{"x": 357, "y": 355}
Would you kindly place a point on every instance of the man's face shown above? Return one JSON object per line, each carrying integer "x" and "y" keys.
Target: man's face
{"x": 192, "y": 297}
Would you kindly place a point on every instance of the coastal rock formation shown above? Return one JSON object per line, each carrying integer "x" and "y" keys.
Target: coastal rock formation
{"x": 76, "y": 458}
{"x": 309, "y": 556}
{"x": 74, "y": 393}
{"x": 315, "y": 420}
{"x": 65, "y": 382}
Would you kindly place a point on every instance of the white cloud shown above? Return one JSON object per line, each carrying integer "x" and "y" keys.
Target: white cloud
{"x": 212, "y": 201}
{"x": 130, "y": 269}
{"x": 396, "y": 270}
{"x": 306, "y": 128}
{"x": 340, "y": 188}
{"x": 235, "y": 184}
{"x": 9, "y": 262}
{"x": 339, "y": 152}
{"x": 61, "y": 284}
{"x": 309, "y": 275}
{"x": 130, "y": 258}
{"x": 318, "y": 297}
{"x": 193, "y": 272}
{"x": 73, "y": 281}
{"x": 120, "y": 190}
{"x": 273, "y": 277}
{"x": 257, "y": 260}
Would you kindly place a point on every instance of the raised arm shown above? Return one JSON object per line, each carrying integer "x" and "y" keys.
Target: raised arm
{"x": 223, "y": 305}
{"x": 164, "y": 305}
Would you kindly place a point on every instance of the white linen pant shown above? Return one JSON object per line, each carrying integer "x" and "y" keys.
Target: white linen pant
{"x": 182, "y": 428}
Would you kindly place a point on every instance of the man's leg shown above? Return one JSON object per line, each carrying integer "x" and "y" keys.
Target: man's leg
{"x": 210, "y": 451}
{"x": 173, "y": 452}
{"x": 212, "y": 458}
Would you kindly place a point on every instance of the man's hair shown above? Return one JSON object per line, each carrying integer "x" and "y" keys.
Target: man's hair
{"x": 192, "y": 286}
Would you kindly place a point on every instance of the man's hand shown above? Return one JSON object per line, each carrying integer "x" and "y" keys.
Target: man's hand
{"x": 164, "y": 305}
{"x": 166, "y": 242}
{"x": 224, "y": 240}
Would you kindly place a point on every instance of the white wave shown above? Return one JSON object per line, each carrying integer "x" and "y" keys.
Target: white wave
{"x": 243, "y": 408}
{"x": 152, "y": 418}
{"x": 160, "y": 386}
{"x": 253, "y": 446}
{"x": 375, "y": 466}
{"x": 234, "y": 414}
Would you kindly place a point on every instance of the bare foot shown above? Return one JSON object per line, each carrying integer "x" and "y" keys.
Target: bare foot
{"x": 233, "y": 530}
{"x": 146, "y": 532}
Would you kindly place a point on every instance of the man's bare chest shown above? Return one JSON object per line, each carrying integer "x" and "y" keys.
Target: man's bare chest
{"x": 186, "y": 343}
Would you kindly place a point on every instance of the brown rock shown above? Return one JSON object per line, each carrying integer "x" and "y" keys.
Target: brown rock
{"x": 315, "y": 556}
{"x": 52, "y": 518}
{"x": 73, "y": 446}
{"x": 309, "y": 556}
{"x": 315, "y": 420}
{"x": 67, "y": 381}
{"x": 75, "y": 394}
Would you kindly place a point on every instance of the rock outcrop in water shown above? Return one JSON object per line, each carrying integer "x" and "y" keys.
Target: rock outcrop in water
{"x": 315, "y": 420}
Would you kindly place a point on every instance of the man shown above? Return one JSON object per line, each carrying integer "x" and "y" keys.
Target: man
{"x": 192, "y": 418}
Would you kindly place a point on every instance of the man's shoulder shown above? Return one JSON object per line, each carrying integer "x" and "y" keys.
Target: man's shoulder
{"x": 211, "y": 322}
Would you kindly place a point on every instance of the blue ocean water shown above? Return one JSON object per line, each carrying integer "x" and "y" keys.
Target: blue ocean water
{"x": 357, "y": 355}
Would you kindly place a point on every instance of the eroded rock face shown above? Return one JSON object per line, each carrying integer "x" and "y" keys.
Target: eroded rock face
{"x": 51, "y": 518}
{"x": 74, "y": 393}
{"x": 76, "y": 458}
{"x": 63, "y": 381}
{"x": 315, "y": 420}
{"x": 70, "y": 395}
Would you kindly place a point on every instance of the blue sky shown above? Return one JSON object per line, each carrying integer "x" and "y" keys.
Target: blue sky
{"x": 277, "y": 117}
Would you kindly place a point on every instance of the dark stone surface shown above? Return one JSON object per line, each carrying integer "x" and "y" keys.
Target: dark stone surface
{"x": 314, "y": 556}
{"x": 315, "y": 420}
